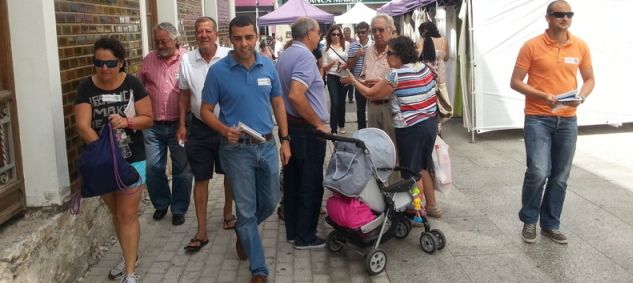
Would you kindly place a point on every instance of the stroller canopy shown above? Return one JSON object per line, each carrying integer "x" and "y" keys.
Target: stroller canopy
{"x": 382, "y": 151}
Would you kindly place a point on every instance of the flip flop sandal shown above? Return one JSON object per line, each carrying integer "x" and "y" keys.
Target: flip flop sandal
{"x": 192, "y": 248}
{"x": 230, "y": 223}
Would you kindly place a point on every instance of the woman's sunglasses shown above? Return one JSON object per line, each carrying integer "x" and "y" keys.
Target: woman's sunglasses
{"x": 109, "y": 63}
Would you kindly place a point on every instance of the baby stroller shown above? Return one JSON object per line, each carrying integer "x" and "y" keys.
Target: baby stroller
{"x": 358, "y": 169}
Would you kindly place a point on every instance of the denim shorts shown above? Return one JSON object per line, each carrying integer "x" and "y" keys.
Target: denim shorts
{"x": 415, "y": 145}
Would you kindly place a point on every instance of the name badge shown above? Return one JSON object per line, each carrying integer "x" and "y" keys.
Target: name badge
{"x": 111, "y": 98}
{"x": 571, "y": 60}
{"x": 263, "y": 81}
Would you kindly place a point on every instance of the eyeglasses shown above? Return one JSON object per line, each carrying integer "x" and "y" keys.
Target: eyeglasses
{"x": 561, "y": 15}
{"x": 391, "y": 53}
{"x": 377, "y": 30}
{"x": 335, "y": 34}
{"x": 109, "y": 63}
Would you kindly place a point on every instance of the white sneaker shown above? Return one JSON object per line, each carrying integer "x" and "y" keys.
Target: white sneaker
{"x": 131, "y": 278}
{"x": 117, "y": 271}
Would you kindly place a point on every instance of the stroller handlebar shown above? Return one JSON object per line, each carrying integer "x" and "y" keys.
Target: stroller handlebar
{"x": 335, "y": 138}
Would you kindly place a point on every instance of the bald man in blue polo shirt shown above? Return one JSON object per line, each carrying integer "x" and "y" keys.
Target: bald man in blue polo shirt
{"x": 245, "y": 85}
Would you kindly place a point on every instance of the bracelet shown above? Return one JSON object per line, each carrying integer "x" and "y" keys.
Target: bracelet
{"x": 130, "y": 124}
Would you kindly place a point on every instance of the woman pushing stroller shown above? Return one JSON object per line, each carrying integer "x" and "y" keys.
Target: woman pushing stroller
{"x": 411, "y": 88}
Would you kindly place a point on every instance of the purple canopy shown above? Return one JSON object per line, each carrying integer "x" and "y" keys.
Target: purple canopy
{"x": 399, "y": 7}
{"x": 293, "y": 9}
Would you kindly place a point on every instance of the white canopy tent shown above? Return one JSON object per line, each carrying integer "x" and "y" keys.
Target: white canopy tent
{"x": 494, "y": 31}
{"x": 359, "y": 13}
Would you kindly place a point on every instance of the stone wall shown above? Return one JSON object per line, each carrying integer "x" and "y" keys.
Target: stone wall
{"x": 188, "y": 12}
{"x": 224, "y": 18}
{"x": 54, "y": 248}
{"x": 79, "y": 25}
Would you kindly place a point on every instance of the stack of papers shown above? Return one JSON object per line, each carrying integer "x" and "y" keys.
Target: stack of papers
{"x": 250, "y": 132}
{"x": 569, "y": 96}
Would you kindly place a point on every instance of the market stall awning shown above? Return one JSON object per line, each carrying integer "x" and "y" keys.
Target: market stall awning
{"x": 293, "y": 9}
{"x": 359, "y": 13}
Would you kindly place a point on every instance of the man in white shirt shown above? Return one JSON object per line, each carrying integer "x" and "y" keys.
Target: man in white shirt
{"x": 201, "y": 142}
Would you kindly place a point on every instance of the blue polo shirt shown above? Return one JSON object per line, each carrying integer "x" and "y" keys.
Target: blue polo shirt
{"x": 243, "y": 94}
{"x": 298, "y": 63}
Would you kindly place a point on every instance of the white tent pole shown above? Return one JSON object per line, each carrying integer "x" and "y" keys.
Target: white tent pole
{"x": 257, "y": 15}
{"x": 472, "y": 72}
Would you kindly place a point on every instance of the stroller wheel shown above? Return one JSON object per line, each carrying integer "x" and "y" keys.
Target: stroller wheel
{"x": 428, "y": 242}
{"x": 375, "y": 261}
{"x": 441, "y": 239}
{"x": 402, "y": 229}
{"x": 335, "y": 241}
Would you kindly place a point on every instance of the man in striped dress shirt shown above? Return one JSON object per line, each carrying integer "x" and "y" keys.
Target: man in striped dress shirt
{"x": 159, "y": 74}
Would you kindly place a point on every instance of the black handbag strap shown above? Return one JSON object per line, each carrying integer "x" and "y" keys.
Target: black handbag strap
{"x": 339, "y": 55}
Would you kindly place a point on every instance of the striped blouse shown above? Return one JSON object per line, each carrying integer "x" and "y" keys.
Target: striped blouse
{"x": 414, "y": 97}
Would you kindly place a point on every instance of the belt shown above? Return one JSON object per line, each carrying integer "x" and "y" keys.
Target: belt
{"x": 249, "y": 140}
{"x": 296, "y": 120}
{"x": 163, "y": 123}
{"x": 379, "y": 102}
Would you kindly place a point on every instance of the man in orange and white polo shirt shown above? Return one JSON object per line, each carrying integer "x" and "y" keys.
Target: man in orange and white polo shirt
{"x": 551, "y": 62}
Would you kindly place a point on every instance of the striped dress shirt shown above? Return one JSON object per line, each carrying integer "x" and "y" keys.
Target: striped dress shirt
{"x": 160, "y": 77}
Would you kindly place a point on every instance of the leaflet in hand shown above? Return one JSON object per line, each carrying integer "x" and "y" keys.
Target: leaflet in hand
{"x": 250, "y": 132}
{"x": 569, "y": 96}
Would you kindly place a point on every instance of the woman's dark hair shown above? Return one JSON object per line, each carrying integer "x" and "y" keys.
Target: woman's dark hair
{"x": 404, "y": 48}
{"x": 427, "y": 31}
{"x": 114, "y": 45}
{"x": 328, "y": 37}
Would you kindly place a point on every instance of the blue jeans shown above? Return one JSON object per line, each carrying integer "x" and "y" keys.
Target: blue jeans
{"x": 550, "y": 144}
{"x": 253, "y": 170}
{"x": 157, "y": 139}
{"x": 337, "y": 102}
{"x": 303, "y": 184}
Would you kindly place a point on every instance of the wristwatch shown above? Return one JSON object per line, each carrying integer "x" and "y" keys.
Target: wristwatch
{"x": 285, "y": 138}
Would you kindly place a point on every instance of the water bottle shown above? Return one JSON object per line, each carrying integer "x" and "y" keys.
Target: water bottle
{"x": 123, "y": 141}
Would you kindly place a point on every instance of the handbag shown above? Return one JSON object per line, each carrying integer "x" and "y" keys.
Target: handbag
{"x": 444, "y": 105}
{"x": 103, "y": 169}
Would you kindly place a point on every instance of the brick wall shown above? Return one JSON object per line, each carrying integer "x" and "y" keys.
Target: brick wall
{"x": 188, "y": 12}
{"x": 224, "y": 18}
{"x": 79, "y": 25}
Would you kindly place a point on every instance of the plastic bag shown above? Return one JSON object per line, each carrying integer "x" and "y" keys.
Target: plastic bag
{"x": 442, "y": 165}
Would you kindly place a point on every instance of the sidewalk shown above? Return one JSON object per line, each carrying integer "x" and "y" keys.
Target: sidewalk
{"x": 480, "y": 222}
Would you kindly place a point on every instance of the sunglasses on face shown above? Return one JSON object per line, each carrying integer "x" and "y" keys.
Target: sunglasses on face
{"x": 561, "y": 15}
{"x": 363, "y": 32}
{"x": 377, "y": 30}
{"x": 336, "y": 34}
{"x": 109, "y": 63}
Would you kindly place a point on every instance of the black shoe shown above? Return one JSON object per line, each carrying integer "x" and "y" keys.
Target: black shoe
{"x": 159, "y": 214}
{"x": 178, "y": 219}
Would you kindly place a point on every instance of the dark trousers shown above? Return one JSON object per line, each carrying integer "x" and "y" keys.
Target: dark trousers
{"x": 337, "y": 102}
{"x": 303, "y": 184}
{"x": 361, "y": 109}
{"x": 349, "y": 89}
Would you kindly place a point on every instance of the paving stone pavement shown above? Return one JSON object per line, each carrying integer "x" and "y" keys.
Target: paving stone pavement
{"x": 480, "y": 223}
